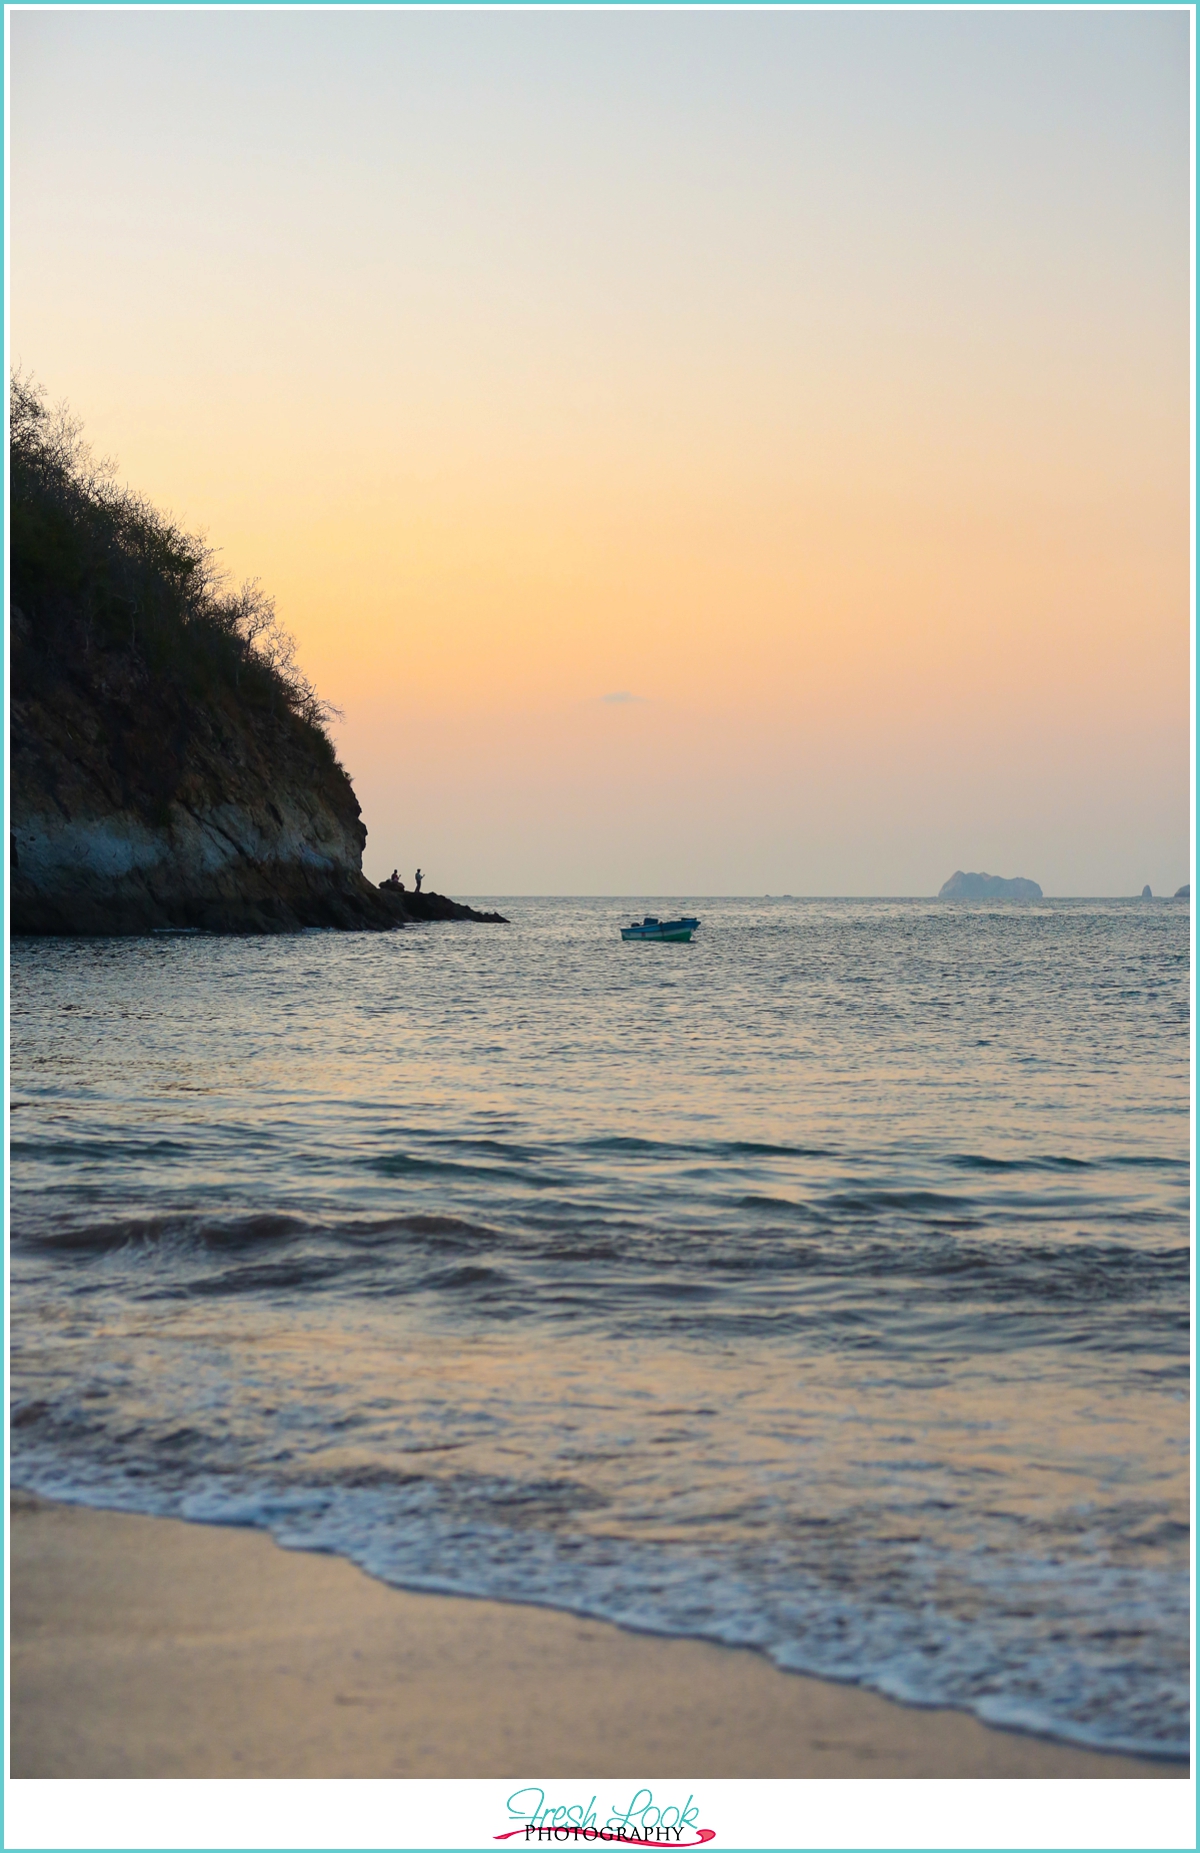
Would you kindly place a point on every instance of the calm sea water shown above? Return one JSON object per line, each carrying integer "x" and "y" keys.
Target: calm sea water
{"x": 820, "y": 1287}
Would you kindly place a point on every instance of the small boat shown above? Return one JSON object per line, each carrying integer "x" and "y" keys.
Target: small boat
{"x": 654, "y": 928}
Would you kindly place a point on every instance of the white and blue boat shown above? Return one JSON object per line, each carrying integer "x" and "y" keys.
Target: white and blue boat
{"x": 654, "y": 928}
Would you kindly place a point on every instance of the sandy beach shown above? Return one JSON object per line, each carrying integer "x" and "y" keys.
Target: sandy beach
{"x": 151, "y": 1648}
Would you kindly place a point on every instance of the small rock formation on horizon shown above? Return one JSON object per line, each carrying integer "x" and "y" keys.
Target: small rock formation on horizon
{"x": 170, "y": 765}
{"x": 985, "y": 887}
{"x": 1146, "y": 894}
{"x": 1184, "y": 893}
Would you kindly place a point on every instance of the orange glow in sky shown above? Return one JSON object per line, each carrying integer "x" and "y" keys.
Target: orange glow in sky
{"x": 698, "y": 452}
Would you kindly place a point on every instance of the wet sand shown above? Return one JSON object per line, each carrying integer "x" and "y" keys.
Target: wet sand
{"x": 145, "y": 1647}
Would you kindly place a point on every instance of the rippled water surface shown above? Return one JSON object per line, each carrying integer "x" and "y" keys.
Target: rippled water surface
{"x": 820, "y": 1286}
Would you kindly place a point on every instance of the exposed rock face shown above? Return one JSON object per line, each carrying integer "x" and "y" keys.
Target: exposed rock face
{"x": 170, "y": 764}
{"x": 985, "y": 887}
{"x": 1147, "y": 894}
{"x": 1184, "y": 893}
{"x": 135, "y": 807}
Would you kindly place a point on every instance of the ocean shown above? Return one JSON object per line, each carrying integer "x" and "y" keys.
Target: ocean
{"x": 820, "y": 1287}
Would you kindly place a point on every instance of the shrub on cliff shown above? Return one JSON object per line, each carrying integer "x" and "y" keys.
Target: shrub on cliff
{"x": 96, "y": 568}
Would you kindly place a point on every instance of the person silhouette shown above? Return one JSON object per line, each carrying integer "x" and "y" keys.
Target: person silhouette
{"x": 418, "y": 878}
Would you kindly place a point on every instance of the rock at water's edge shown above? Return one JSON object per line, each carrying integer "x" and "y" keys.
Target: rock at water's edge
{"x": 170, "y": 764}
{"x": 408, "y": 907}
{"x": 139, "y": 805}
{"x": 1184, "y": 893}
{"x": 1146, "y": 894}
{"x": 985, "y": 887}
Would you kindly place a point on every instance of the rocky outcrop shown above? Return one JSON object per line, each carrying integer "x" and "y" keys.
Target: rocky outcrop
{"x": 170, "y": 765}
{"x": 410, "y": 907}
{"x": 137, "y": 807}
{"x": 985, "y": 887}
{"x": 1184, "y": 893}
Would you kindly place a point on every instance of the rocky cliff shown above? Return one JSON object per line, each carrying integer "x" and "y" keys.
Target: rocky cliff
{"x": 135, "y": 806}
{"x": 170, "y": 765}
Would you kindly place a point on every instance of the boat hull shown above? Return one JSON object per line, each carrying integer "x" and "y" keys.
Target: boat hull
{"x": 677, "y": 933}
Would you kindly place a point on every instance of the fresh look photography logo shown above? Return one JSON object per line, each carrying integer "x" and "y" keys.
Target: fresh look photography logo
{"x": 644, "y": 1822}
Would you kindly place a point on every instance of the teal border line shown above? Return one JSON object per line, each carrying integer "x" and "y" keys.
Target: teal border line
{"x": 565, "y": 6}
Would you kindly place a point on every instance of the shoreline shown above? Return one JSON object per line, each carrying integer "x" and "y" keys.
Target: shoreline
{"x": 158, "y": 1648}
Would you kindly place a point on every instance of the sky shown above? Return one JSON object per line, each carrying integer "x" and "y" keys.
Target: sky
{"x": 698, "y": 452}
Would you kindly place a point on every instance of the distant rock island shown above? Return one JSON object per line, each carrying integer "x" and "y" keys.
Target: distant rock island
{"x": 171, "y": 766}
{"x": 1184, "y": 893}
{"x": 985, "y": 887}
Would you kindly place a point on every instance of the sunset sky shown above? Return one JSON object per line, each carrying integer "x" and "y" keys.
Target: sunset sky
{"x": 700, "y": 453}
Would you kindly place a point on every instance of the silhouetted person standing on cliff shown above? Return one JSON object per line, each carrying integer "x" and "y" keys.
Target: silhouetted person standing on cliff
{"x": 418, "y": 878}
